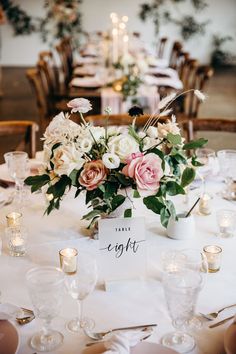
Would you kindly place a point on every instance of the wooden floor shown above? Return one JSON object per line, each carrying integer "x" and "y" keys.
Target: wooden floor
{"x": 18, "y": 101}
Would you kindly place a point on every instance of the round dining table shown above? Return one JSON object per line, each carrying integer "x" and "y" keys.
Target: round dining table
{"x": 129, "y": 303}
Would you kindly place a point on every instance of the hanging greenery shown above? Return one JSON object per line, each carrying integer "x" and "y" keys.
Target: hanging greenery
{"x": 63, "y": 18}
{"x": 219, "y": 56}
{"x": 21, "y": 22}
{"x": 189, "y": 26}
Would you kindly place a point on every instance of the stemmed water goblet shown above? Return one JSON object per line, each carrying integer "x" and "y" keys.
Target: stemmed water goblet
{"x": 18, "y": 167}
{"x": 79, "y": 286}
{"x": 227, "y": 162}
{"x": 207, "y": 158}
{"x": 181, "y": 291}
{"x": 45, "y": 286}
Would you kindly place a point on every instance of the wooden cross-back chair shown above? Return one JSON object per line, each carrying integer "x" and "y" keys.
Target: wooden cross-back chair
{"x": 24, "y": 129}
{"x": 119, "y": 120}
{"x": 175, "y": 54}
{"x": 161, "y": 47}
{"x": 64, "y": 51}
{"x": 200, "y": 78}
{"x": 42, "y": 102}
{"x": 192, "y": 126}
{"x": 48, "y": 63}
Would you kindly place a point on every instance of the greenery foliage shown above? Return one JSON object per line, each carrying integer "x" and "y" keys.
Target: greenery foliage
{"x": 220, "y": 56}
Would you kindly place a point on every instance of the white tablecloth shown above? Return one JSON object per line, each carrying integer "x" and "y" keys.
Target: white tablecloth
{"x": 131, "y": 303}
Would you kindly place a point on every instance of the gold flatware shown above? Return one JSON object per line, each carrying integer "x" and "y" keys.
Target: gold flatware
{"x": 101, "y": 335}
{"x": 221, "y": 322}
{"x": 213, "y": 315}
{"x": 24, "y": 320}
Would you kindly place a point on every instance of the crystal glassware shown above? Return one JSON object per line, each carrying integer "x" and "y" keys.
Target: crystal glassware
{"x": 226, "y": 221}
{"x": 17, "y": 237}
{"x": 181, "y": 291}
{"x": 18, "y": 167}
{"x": 45, "y": 287}
{"x": 79, "y": 286}
{"x": 227, "y": 162}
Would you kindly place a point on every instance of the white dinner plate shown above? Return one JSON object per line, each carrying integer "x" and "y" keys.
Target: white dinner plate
{"x": 9, "y": 338}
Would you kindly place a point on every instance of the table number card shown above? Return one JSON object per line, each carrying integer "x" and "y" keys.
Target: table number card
{"x": 122, "y": 247}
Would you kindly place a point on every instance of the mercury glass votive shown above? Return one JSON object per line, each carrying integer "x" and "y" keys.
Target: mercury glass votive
{"x": 17, "y": 236}
{"x": 68, "y": 260}
{"x": 213, "y": 254}
{"x": 226, "y": 220}
{"x": 13, "y": 219}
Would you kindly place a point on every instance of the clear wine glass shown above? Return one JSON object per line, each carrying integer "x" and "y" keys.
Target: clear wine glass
{"x": 181, "y": 291}
{"x": 227, "y": 162}
{"x": 18, "y": 167}
{"x": 45, "y": 286}
{"x": 79, "y": 286}
{"x": 208, "y": 158}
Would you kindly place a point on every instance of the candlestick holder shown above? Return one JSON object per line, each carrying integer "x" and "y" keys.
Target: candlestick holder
{"x": 17, "y": 236}
{"x": 213, "y": 254}
{"x": 68, "y": 260}
{"x": 226, "y": 220}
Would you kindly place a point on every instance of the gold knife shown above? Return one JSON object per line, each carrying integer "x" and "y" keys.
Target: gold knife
{"x": 221, "y": 322}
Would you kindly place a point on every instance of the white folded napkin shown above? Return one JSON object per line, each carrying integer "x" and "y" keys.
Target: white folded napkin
{"x": 163, "y": 71}
{"x": 86, "y": 82}
{"x": 9, "y": 311}
{"x": 164, "y": 81}
{"x": 122, "y": 341}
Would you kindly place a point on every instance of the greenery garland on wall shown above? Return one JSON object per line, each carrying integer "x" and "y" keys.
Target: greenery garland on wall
{"x": 189, "y": 26}
{"x": 63, "y": 18}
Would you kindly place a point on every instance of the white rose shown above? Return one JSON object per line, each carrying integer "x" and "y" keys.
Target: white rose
{"x": 97, "y": 132}
{"x": 66, "y": 159}
{"x": 123, "y": 146}
{"x": 111, "y": 160}
{"x": 149, "y": 143}
{"x": 113, "y": 130}
{"x": 86, "y": 144}
{"x": 152, "y": 132}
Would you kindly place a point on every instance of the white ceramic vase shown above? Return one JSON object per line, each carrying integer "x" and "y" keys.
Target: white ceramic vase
{"x": 181, "y": 229}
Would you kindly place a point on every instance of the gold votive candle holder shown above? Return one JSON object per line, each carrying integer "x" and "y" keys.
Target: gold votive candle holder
{"x": 17, "y": 237}
{"x": 13, "y": 219}
{"x": 213, "y": 254}
{"x": 204, "y": 207}
{"x": 68, "y": 260}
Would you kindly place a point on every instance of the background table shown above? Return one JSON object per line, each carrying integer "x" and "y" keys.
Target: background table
{"x": 130, "y": 303}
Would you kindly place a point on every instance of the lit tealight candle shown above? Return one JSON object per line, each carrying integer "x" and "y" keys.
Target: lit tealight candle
{"x": 226, "y": 220}
{"x": 13, "y": 219}
{"x": 68, "y": 260}
{"x": 205, "y": 204}
{"x": 16, "y": 240}
{"x": 213, "y": 254}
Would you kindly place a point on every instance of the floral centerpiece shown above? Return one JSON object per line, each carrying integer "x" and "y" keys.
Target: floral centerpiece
{"x": 105, "y": 162}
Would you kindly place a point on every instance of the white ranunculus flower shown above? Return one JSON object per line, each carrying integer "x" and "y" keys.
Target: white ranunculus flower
{"x": 149, "y": 143}
{"x": 113, "y": 130}
{"x": 54, "y": 126}
{"x": 123, "y": 146}
{"x": 86, "y": 144}
{"x": 97, "y": 132}
{"x": 111, "y": 160}
{"x": 152, "y": 132}
{"x": 165, "y": 128}
{"x": 81, "y": 105}
{"x": 66, "y": 159}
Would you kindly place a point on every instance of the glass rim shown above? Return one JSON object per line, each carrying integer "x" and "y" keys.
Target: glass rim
{"x": 36, "y": 270}
{"x": 219, "y": 249}
{"x": 70, "y": 248}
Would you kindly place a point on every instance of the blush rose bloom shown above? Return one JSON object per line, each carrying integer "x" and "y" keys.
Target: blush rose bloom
{"x": 79, "y": 105}
{"x": 93, "y": 174}
{"x": 145, "y": 170}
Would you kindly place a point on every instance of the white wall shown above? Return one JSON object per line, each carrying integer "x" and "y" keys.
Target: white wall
{"x": 23, "y": 50}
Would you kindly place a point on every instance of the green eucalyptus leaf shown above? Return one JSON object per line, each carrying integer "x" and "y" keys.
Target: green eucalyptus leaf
{"x": 37, "y": 182}
{"x": 174, "y": 139}
{"x": 194, "y": 144}
{"x": 164, "y": 216}
{"x": 173, "y": 188}
{"x": 187, "y": 176}
{"x": 128, "y": 213}
{"x": 153, "y": 204}
{"x": 92, "y": 214}
{"x": 136, "y": 194}
{"x": 74, "y": 177}
{"x": 117, "y": 201}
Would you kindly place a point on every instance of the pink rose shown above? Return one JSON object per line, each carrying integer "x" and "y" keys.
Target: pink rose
{"x": 93, "y": 174}
{"x": 145, "y": 170}
{"x": 79, "y": 105}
